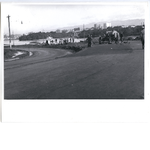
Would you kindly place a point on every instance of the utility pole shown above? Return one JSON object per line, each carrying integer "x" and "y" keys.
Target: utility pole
{"x": 9, "y": 30}
{"x": 83, "y": 31}
{"x": 13, "y": 38}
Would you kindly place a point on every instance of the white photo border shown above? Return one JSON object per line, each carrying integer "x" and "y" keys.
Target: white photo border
{"x": 97, "y": 111}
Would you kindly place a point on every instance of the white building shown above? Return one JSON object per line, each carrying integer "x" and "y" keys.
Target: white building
{"x": 106, "y": 25}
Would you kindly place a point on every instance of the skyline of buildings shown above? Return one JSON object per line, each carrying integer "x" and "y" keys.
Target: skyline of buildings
{"x": 95, "y": 26}
{"x": 45, "y": 18}
{"x": 78, "y": 29}
{"x": 103, "y": 25}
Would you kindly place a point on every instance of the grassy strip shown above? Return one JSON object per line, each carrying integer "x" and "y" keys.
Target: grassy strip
{"x": 74, "y": 47}
{"x": 9, "y": 53}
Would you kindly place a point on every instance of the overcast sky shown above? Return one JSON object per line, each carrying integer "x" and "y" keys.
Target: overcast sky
{"x": 32, "y": 18}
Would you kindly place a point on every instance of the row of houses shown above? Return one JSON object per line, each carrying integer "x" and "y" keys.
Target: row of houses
{"x": 78, "y": 29}
{"x": 95, "y": 26}
{"x": 66, "y": 31}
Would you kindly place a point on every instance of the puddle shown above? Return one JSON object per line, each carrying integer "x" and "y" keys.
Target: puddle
{"x": 17, "y": 54}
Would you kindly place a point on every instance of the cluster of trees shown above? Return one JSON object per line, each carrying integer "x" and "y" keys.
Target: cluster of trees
{"x": 33, "y": 36}
{"x": 44, "y": 35}
{"x": 128, "y": 31}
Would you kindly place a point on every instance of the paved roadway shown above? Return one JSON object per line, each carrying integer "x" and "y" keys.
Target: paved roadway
{"x": 106, "y": 71}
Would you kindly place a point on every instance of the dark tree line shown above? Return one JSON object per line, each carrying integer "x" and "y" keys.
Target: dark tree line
{"x": 44, "y": 35}
{"x": 128, "y": 31}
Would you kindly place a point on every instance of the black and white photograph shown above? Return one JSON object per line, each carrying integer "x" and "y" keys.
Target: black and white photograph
{"x": 80, "y": 51}
{"x": 75, "y": 75}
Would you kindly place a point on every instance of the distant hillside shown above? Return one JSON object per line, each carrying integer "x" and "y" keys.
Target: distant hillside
{"x": 113, "y": 23}
{"x": 128, "y": 22}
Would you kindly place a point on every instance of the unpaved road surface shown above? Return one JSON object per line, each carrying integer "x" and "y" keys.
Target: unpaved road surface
{"x": 106, "y": 71}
